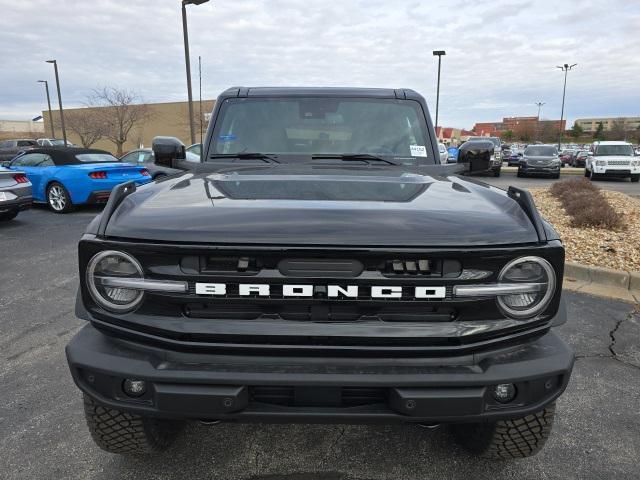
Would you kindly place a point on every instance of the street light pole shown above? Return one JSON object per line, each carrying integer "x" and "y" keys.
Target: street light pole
{"x": 187, "y": 62}
{"x": 565, "y": 68}
{"x": 46, "y": 87}
{"x": 539, "y": 104}
{"x": 439, "y": 54}
{"x": 64, "y": 131}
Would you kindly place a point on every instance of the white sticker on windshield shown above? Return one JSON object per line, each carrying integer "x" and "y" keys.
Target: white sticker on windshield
{"x": 418, "y": 150}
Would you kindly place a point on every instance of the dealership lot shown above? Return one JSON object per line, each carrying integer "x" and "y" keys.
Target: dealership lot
{"x": 509, "y": 178}
{"x": 43, "y": 435}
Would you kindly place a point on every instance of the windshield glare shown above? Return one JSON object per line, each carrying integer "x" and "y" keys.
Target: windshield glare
{"x": 540, "y": 151}
{"x": 96, "y": 157}
{"x": 603, "y": 150}
{"x": 302, "y": 127}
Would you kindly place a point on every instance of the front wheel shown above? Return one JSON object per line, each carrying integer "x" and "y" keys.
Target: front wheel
{"x": 496, "y": 173}
{"x": 592, "y": 175}
{"x": 520, "y": 174}
{"x": 506, "y": 439}
{"x": 635, "y": 178}
{"x": 58, "y": 198}
{"x": 119, "y": 432}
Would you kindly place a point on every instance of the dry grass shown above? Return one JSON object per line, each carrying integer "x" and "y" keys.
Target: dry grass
{"x": 586, "y": 205}
{"x": 591, "y": 245}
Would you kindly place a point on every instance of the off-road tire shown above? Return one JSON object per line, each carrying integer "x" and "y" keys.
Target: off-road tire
{"x": 586, "y": 172}
{"x": 593, "y": 176}
{"x": 119, "y": 432}
{"x": 507, "y": 439}
{"x": 496, "y": 173}
{"x": 635, "y": 178}
{"x": 519, "y": 174}
{"x": 5, "y": 217}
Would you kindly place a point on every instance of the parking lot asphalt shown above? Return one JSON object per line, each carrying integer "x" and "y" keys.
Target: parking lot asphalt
{"x": 43, "y": 435}
{"x": 509, "y": 178}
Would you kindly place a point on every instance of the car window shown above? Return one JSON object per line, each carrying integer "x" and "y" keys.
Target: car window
{"x": 608, "y": 150}
{"x": 28, "y": 160}
{"x": 96, "y": 157}
{"x": 27, "y": 143}
{"x": 540, "y": 151}
{"x": 144, "y": 157}
{"x": 195, "y": 148}
{"x": 46, "y": 161}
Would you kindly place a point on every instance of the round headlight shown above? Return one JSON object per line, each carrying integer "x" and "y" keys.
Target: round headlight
{"x": 533, "y": 270}
{"x": 114, "y": 264}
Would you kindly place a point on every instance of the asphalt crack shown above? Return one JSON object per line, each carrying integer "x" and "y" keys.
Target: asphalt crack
{"x": 612, "y": 335}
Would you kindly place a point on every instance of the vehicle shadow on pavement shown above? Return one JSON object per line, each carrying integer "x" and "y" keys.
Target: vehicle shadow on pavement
{"x": 309, "y": 452}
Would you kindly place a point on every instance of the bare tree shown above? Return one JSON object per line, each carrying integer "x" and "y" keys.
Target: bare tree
{"x": 123, "y": 110}
{"x": 86, "y": 123}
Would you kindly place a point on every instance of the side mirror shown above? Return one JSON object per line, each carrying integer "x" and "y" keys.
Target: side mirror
{"x": 5, "y": 164}
{"x": 167, "y": 150}
{"x": 476, "y": 155}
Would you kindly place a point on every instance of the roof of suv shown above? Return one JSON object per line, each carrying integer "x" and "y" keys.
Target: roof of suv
{"x": 611, "y": 142}
{"x": 319, "y": 91}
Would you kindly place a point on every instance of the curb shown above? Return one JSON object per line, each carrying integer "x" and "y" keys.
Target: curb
{"x": 563, "y": 171}
{"x": 601, "y": 281}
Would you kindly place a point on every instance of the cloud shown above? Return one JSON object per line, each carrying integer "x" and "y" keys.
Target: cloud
{"x": 501, "y": 56}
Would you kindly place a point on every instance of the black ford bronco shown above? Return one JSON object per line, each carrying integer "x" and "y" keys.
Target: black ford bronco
{"x": 320, "y": 266}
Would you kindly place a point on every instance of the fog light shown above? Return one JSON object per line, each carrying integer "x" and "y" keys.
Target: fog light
{"x": 505, "y": 392}
{"x": 134, "y": 388}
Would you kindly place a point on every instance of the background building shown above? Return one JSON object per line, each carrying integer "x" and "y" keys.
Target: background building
{"x": 453, "y": 136}
{"x": 170, "y": 119}
{"x": 521, "y": 128}
{"x": 590, "y": 125}
{"x": 21, "y": 128}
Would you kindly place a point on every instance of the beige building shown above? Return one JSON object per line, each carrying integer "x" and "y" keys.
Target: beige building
{"x": 21, "y": 128}
{"x": 170, "y": 119}
{"x": 590, "y": 125}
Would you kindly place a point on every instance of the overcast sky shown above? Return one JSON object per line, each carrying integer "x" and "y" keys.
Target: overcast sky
{"x": 501, "y": 55}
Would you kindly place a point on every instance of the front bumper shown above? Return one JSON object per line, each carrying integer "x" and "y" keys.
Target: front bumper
{"x": 621, "y": 172}
{"x": 325, "y": 390}
{"x": 540, "y": 170}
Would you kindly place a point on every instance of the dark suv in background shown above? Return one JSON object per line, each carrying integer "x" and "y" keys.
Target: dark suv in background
{"x": 10, "y": 148}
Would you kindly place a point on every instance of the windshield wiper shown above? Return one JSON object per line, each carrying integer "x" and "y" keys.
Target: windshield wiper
{"x": 247, "y": 156}
{"x": 352, "y": 157}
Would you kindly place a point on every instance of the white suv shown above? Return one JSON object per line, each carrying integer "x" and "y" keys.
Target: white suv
{"x": 612, "y": 159}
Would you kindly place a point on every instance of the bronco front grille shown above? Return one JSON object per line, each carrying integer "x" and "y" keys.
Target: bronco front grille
{"x": 275, "y": 324}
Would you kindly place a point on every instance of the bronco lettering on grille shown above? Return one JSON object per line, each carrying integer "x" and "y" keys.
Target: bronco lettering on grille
{"x": 332, "y": 291}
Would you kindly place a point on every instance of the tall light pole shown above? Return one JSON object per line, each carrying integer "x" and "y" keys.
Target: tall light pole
{"x": 539, "y": 104}
{"x": 439, "y": 54}
{"x": 200, "y": 88}
{"x": 565, "y": 68}
{"x": 64, "y": 131}
{"x": 46, "y": 87}
{"x": 185, "y": 33}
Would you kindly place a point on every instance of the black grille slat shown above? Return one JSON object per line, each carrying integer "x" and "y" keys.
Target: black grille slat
{"x": 289, "y": 396}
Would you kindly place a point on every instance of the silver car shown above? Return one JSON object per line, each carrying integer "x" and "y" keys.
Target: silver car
{"x": 144, "y": 156}
{"x": 15, "y": 193}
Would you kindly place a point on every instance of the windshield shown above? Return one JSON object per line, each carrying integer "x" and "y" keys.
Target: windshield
{"x": 540, "y": 151}
{"x": 495, "y": 140}
{"x": 306, "y": 126}
{"x": 96, "y": 157}
{"x": 605, "y": 150}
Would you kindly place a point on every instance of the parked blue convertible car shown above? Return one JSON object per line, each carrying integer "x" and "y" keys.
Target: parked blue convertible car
{"x": 64, "y": 177}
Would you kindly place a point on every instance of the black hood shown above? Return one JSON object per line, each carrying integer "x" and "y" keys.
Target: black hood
{"x": 322, "y": 206}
